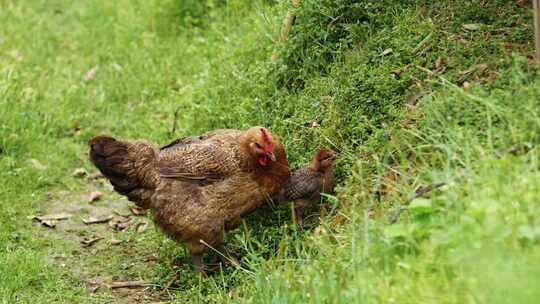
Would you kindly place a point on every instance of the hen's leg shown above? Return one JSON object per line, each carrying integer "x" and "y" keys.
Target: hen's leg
{"x": 196, "y": 259}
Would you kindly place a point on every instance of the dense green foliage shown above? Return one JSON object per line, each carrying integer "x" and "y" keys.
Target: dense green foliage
{"x": 412, "y": 93}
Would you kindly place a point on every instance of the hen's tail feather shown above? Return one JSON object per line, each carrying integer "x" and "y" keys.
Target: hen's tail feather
{"x": 129, "y": 166}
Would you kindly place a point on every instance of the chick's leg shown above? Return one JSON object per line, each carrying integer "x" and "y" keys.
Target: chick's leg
{"x": 299, "y": 208}
{"x": 197, "y": 261}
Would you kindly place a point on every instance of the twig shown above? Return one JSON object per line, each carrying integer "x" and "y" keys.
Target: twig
{"x": 165, "y": 288}
{"x": 536, "y": 6}
{"x": 127, "y": 284}
{"x": 420, "y": 192}
{"x": 230, "y": 260}
{"x": 175, "y": 119}
{"x": 288, "y": 22}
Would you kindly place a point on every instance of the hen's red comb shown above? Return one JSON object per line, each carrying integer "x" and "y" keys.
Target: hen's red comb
{"x": 268, "y": 146}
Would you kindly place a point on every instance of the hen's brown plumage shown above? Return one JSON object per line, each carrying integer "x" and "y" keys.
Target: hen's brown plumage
{"x": 129, "y": 165}
{"x": 307, "y": 183}
{"x": 197, "y": 187}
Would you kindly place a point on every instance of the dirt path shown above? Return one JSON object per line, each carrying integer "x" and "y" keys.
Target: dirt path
{"x": 115, "y": 245}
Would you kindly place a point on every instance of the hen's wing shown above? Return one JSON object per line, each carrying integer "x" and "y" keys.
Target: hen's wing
{"x": 198, "y": 159}
{"x": 304, "y": 183}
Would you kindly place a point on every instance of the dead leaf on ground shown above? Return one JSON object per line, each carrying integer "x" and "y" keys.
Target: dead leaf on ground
{"x": 138, "y": 210}
{"x": 95, "y": 175}
{"x": 472, "y": 26}
{"x": 386, "y": 52}
{"x": 399, "y": 71}
{"x": 152, "y": 258}
{"x": 412, "y": 100}
{"x": 79, "y": 172}
{"x": 312, "y": 124}
{"x": 142, "y": 226}
{"x": 94, "y": 196}
{"x": 121, "y": 224}
{"x": 37, "y": 164}
{"x": 95, "y": 220}
{"x": 50, "y": 220}
{"x": 48, "y": 223}
{"x": 56, "y": 216}
{"x": 93, "y": 285}
{"x": 89, "y": 241}
{"x": 474, "y": 70}
{"x": 90, "y": 74}
{"x": 115, "y": 242}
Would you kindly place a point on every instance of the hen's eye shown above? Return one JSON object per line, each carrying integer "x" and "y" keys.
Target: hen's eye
{"x": 258, "y": 146}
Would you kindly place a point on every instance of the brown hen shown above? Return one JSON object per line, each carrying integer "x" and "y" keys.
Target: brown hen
{"x": 197, "y": 187}
{"x": 306, "y": 184}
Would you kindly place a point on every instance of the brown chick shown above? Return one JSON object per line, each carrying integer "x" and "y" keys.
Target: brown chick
{"x": 306, "y": 184}
{"x": 198, "y": 187}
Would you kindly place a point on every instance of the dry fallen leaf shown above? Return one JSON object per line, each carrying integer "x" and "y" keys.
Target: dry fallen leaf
{"x": 95, "y": 175}
{"x": 117, "y": 67}
{"x": 90, "y": 74}
{"x": 36, "y": 164}
{"x": 312, "y": 124}
{"x": 89, "y": 241}
{"x": 93, "y": 285}
{"x": 95, "y": 220}
{"x": 386, "y": 52}
{"x": 472, "y": 26}
{"x": 115, "y": 242}
{"x": 398, "y": 72}
{"x": 94, "y": 196}
{"x": 79, "y": 172}
{"x": 138, "y": 210}
{"x": 56, "y": 216}
{"x": 152, "y": 258}
{"x": 474, "y": 70}
{"x": 142, "y": 226}
{"x": 121, "y": 224}
{"x": 49, "y": 223}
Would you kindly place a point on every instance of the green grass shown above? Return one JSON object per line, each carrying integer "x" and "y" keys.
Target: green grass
{"x": 382, "y": 81}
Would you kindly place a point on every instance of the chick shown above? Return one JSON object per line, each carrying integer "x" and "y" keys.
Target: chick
{"x": 306, "y": 184}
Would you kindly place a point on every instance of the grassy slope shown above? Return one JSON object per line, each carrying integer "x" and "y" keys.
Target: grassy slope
{"x": 475, "y": 240}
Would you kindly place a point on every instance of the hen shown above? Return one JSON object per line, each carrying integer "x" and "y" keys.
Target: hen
{"x": 197, "y": 187}
{"x": 306, "y": 184}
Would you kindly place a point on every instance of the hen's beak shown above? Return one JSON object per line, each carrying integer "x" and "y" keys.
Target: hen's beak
{"x": 271, "y": 156}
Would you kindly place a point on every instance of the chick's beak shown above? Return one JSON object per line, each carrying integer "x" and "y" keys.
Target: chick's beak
{"x": 271, "y": 156}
